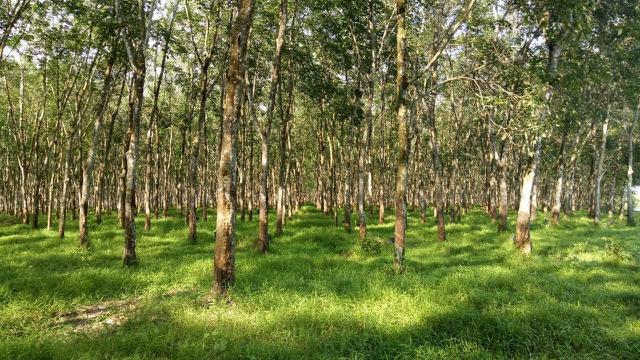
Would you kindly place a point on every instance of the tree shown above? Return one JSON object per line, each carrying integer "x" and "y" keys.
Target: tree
{"x": 135, "y": 36}
{"x": 224, "y": 259}
{"x": 403, "y": 140}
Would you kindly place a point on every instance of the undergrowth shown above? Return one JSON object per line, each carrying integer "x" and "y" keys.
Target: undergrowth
{"x": 320, "y": 293}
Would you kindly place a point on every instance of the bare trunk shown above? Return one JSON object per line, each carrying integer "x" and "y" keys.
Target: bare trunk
{"x": 504, "y": 196}
{"x": 347, "y": 202}
{"x": 224, "y": 259}
{"x": 263, "y": 222}
{"x": 403, "y": 141}
{"x": 557, "y": 197}
{"x": 599, "y": 169}
{"x": 612, "y": 195}
{"x": 87, "y": 173}
{"x": 281, "y": 177}
{"x": 523, "y": 236}
{"x": 129, "y": 252}
{"x": 137, "y": 61}
{"x": 62, "y": 203}
{"x": 630, "y": 203}
{"x": 195, "y": 151}
{"x": 50, "y": 199}
{"x": 381, "y": 196}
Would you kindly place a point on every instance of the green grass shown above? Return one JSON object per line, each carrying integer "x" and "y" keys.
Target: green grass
{"x": 316, "y": 295}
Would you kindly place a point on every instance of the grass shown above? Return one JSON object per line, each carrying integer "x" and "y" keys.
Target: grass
{"x": 317, "y": 295}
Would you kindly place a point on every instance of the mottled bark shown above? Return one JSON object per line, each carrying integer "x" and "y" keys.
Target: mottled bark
{"x": 523, "y": 236}
{"x": 403, "y": 141}
{"x": 136, "y": 54}
{"x": 224, "y": 258}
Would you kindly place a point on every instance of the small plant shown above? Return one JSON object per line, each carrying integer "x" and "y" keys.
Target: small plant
{"x": 616, "y": 250}
{"x": 580, "y": 247}
{"x": 371, "y": 246}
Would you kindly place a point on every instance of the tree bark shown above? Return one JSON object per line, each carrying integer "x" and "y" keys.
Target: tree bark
{"x": 87, "y": 173}
{"x": 630, "y": 203}
{"x": 599, "y": 168}
{"x": 136, "y": 54}
{"x": 403, "y": 141}
{"x": 557, "y": 194}
{"x": 263, "y": 223}
{"x": 224, "y": 258}
{"x": 523, "y": 236}
{"x": 153, "y": 122}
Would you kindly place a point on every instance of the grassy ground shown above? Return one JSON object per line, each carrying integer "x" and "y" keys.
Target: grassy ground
{"x": 317, "y": 295}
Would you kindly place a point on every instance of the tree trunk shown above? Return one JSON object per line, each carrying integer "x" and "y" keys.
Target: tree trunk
{"x": 87, "y": 173}
{"x": 630, "y": 203}
{"x": 612, "y": 195}
{"x": 107, "y": 151}
{"x": 599, "y": 169}
{"x": 281, "y": 176}
{"x": 557, "y": 197}
{"x": 62, "y": 203}
{"x": 137, "y": 61}
{"x": 523, "y": 236}
{"x": 504, "y": 194}
{"x": 403, "y": 141}
{"x": 195, "y": 150}
{"x": 131, "y": 156}
{"x": 263, "y": 226}
{"x": 224, "y": 259}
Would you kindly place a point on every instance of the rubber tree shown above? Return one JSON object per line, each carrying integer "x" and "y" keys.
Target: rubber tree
{"x": 224, "y": 255}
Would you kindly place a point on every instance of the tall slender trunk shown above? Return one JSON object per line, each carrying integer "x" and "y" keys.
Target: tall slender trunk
{"x": 129, "y": 252}
{"x": 282, "y": 175}
{"x": 557, "y": 195}
{"x": 362, "y": 163}
{"x": 285, "y": 132}
{"x": 137, "y": 60}
{"x": 430, "y": 87}
{"x": 167, "y": 169}
{"x": 50, "y": 194}
{"x": 263, "y": 202}
{"x": 195, "y": 150}
{"x": 123, "y": 179}
{"x": 403, "y": 141}
{"x": 87, "y": 173}
{"x": 224, "y": 259}
{"x": 62, "y": 203}
{"x": 523, "y": 236}
{"x": 365, "y": 144}
{"x": 332, "y": 169}
{"x": 251, "y": 163}
{"x": 599, "y": 168}
{"x": 630, "y": 203}
{"x": 504, "y": 193}
{"x": 205, "y": 64}
{"x": 347, "y": 196}
{"x": 612, "y": 195}
{"x": 107, "y": 151}
{"x": 263, "y": 226}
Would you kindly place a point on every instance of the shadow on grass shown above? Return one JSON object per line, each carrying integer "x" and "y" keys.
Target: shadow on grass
{"x": 316, "y": 295}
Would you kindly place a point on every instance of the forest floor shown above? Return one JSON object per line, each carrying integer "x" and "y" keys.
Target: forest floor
{"x": 318, "y": 295}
